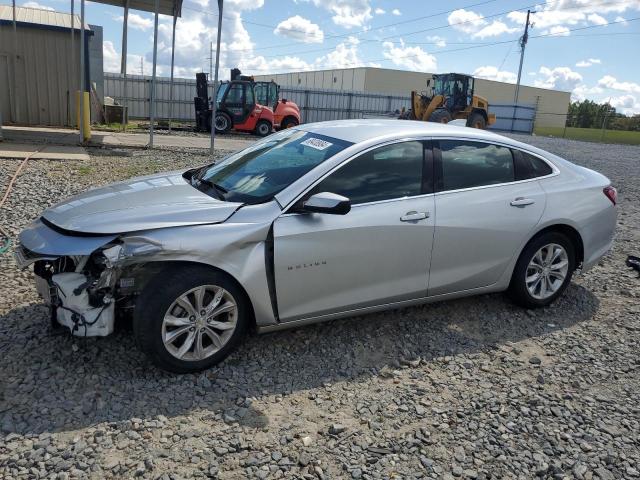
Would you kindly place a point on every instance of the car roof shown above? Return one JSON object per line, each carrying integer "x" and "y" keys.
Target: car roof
{"x": 362, "y": 130}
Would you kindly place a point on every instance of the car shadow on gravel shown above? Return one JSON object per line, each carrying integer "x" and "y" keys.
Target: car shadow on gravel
{"x": 52, "y": 382}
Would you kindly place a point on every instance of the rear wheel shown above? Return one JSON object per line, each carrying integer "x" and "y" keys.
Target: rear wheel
{"x": 223, "y": 122}
{"x": 288, "y": 122}
{"x": 189, "y": 319}
{"x": 440, "y": 115}
{"x": 476, "y": 120}
{"x": 263, "y": 128}
{"x": 543, "y": 271}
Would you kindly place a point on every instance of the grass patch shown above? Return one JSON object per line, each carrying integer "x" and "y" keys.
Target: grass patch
{"x": 591, "y": 135}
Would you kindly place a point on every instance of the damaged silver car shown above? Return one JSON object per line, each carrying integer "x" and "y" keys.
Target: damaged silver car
{"x": 314, "y": 223}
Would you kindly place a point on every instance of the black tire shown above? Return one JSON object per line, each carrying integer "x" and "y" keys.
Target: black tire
{"x": 476, "y": 120}
{"x": 440, "y": 115}
{"x": 518, "y": 290}
{"x": 159, "y": 295}
{"x": 263, "y": 128}
{"x": 288, "y": 122}
{"x": 223, "y": 122}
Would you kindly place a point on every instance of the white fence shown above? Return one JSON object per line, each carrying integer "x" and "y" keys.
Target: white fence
{"x": 316, "y": 105}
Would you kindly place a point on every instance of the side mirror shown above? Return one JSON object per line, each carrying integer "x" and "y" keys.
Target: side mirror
{"x": 326, "y": 202}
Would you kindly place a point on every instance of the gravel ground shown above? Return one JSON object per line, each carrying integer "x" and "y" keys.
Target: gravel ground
{"x": 474, "y": 388}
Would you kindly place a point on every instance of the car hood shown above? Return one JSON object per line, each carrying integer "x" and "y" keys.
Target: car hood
{"x": 142, "y": 203}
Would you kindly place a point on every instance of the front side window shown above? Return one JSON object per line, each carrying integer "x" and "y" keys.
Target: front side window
{"x": 474, "y": 164}
{"x": 257, "y": 173}
{"x": 235, "y": 93}
{"x": 389, "y": 172}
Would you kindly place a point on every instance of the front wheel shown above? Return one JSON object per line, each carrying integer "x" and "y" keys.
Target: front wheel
{"x": 189, "y": 319}
{"x": 476, "y": 120}
{"x": 223, "y": 123}
{"x": 263, "y": 128}
{"x": 288, "y": 122}
{"x": 543, "y": 271}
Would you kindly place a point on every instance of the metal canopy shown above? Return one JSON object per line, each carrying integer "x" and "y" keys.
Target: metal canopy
{"x": 167, "y": 7}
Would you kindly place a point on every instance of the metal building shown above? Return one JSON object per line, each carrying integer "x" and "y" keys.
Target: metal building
{"x": 39, "y": 73}
{"x": 551, "y": 106}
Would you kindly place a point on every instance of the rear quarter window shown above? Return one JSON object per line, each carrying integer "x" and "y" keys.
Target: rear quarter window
{"x": 530, "y": 166}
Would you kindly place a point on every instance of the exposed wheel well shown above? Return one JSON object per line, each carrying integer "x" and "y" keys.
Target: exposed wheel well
{"x": 572, "y": 234}
{"x": 289, "y": 117}
{"x": 144, "y": 272}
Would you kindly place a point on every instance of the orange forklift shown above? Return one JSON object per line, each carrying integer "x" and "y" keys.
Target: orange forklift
{"x": 244, "y": 105}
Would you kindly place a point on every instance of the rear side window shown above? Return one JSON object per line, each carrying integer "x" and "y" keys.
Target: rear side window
{"x": 530, "y": 166}
{"x": 474, "y": 164}
{"x": 389, "y": 172}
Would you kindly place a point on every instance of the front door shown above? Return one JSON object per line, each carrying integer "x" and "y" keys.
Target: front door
{"x": 484, "y": 214}
{"x": 235, "y": 102}
{"x": 377, "y": 253}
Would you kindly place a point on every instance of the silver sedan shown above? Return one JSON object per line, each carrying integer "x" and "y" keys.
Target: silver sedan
{"x": 314, "y": 223}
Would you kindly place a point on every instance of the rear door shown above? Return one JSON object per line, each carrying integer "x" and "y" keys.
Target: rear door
{"x": 483, "y": 214}
{"x": 377, "y": 253}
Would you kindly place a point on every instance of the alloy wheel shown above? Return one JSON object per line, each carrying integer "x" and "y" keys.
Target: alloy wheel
{"x": 547, "y": 271}
{"x": 199, "y": 323}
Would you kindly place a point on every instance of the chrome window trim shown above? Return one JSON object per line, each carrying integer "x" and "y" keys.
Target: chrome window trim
{"x": 555, "y": 170}
{"x": 351, "y": 158}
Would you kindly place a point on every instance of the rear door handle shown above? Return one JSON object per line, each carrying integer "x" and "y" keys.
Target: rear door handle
{"x": 522, "y": 202}
{"x": 413, "y": 216}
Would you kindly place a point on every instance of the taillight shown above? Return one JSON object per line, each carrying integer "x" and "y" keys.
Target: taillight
{"x": 611, "y": 193}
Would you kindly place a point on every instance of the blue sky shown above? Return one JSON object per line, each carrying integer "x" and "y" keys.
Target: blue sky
{"x": 583, "y": 46}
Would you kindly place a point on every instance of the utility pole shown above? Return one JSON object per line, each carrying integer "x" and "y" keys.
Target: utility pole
{"x": 210, "y": 60}
{"x": 215, "y": 80}
{"x": 523, "y": 43}
{"x": 141, "y": 65}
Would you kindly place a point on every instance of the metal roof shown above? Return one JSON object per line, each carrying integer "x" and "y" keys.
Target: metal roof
{"x": 167, "y": 7}
{"x": 37, "y": 16}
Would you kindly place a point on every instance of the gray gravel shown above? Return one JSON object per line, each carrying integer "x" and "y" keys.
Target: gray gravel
{"x": 475, "y": 388}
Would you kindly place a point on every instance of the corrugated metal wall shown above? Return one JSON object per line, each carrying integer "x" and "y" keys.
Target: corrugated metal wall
{"x": 316, "y": 105}
{"x": 43, "y": 93}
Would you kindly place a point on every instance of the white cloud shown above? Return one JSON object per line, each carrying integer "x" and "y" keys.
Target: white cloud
{"x": 557, "y": 31}
{"x": 138, "y": 22}
{"x": 379, "y": 11}
{"x": 32, "y": 4}
{"x": 396, "y": 12}
{"x": 466, "y": 21}
{"x": 439, "y": 41}
{"x": 611, "y": 82}
{"x": 621, "y": 19}
{"x": 572, "y": 12}
{"x": 412, "y": 58}
{"x": 347, "y": 13}
{"x": 492, "y": 73}
{"x": 345, "y": 55}
{"x": 243, "y": 4}
{"x": 581, "y": 92}
{"x": 588, "y": 62}
{"x": 301, "y": 29}
{"x": 597, "y": 19}
{"x": 558, "y": 78}
{"x": 495, "y": 29}
{"x": 110, "y": 58}
{"x": 627, "y": 104}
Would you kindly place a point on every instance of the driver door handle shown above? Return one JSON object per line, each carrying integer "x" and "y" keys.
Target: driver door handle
{"x": 413, "y": 216}
{"x": 522, "y": 202}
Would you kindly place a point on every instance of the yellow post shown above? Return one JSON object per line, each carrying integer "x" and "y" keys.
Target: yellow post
{"x": 78, "y": 109}
{"x": 86, "y": 128}
{"x": 87, "y": 114}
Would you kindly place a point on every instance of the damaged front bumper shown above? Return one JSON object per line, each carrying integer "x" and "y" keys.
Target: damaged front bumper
{"x": 76, "y": 275}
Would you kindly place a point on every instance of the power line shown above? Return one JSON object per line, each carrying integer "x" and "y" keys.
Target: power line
{"x": 322, "y": 49}
{"x": 548, "y": 35}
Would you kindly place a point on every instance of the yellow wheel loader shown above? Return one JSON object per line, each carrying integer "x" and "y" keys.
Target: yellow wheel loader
{"x": 451, "y": 98}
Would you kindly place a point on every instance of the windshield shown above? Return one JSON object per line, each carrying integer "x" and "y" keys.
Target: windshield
{"x": 257, "y": 173}
{"x": 222, "y": 89}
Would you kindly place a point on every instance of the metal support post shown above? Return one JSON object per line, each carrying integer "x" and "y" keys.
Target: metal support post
{"x": 152, "y": 105}
{"x": 173, "y": 55}
{"x": 215, "y": 79}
